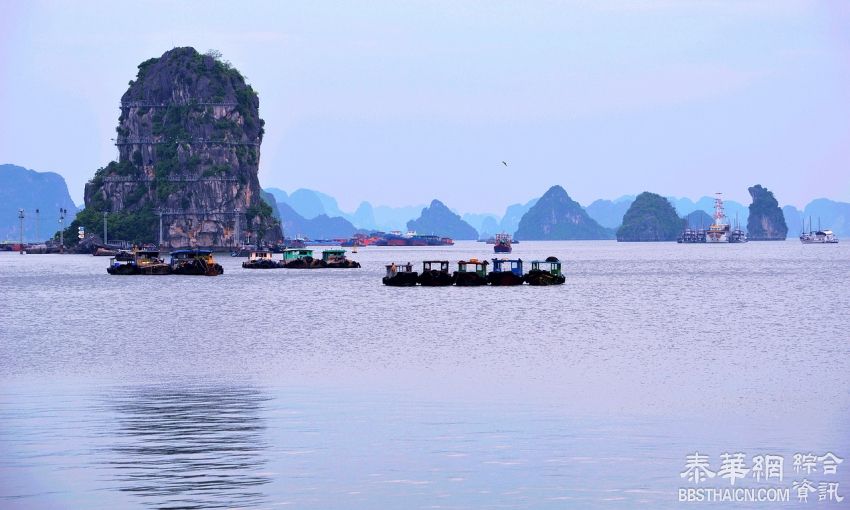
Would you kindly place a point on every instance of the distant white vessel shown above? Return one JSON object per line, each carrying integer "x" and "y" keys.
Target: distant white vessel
{"x": 818, "y": 236}
{"x": 719, "y": 231}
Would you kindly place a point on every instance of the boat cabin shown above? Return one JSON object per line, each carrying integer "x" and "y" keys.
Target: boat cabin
{"x": 394, "y": 269}
{"x": 549, "y": 266}
{"x": 296, "y": 253}
{"x": 512, "y": 265}
{"x": 259, "y": 255}
{"x": 336, "y": 255}
{"x": 428, "y": 265}
{"x": 473, "y": 266}
{"x": 178, "y": 255}
{"x": 147, "y": 257}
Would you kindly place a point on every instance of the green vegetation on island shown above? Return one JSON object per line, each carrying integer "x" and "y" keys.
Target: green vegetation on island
{"x": 651, "y": 217}
{"x": 766, "y": 221}
{"x": 555, "y": 216}
{"x": 189, "y": 138}
{"x": 437, "y": 219}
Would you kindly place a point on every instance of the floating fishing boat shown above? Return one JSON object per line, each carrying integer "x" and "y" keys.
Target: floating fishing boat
{"x": 502, "y": 243}
{"x": 471, "y": 273}
{"x": 545, "y": 272}
{"x": 432, "y": 277}
{"x": 336, "y": 258}
{"x": 195, "y": 262}
{"x": 400, "y": 275}
{"x": 145, "y": 262}
{"x": 260, "y": 259}
{"x": 506, "y": 272}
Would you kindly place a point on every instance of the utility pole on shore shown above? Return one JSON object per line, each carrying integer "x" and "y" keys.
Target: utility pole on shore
{"x": 160, "y": 229}
{"x": 236, "y": 242}
{"x": 105, "y": 238}
{"x": 37, "y": 227}
{"x": 62, "y": 212}
{"x": 21, "y": 218}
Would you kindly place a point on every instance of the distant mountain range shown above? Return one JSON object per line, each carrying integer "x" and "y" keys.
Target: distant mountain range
{"x": 606, "y": 213}
{"x": 317, "y": 215}
{"x": 29, "y": 190}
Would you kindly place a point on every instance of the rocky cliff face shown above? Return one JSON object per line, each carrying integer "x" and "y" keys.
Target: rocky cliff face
{"x": 437, "y": 219}
{"x": 766, "y": 221}
{"x": 188, "y": 139}
{"x": 556, "y": 216}
{"x": 651, "y": 217}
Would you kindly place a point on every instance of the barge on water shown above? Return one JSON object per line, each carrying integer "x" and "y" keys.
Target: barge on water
{"x": 506, "y": 272}
{"x": 471, "y": 273}
{"x": 400, "y": 275}
{"x": 302, "y": 258}
{"x": 545, "y": 272}
{"x": 146, "y": 262}
{"x": 195, "y": 262}
{"x": 336, "y": 259}
{"x": 260, "y": 259}
{"x": 432, "y": 277}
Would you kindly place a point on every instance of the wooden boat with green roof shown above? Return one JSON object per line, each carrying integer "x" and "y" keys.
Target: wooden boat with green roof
{"x": 336, "y": 258}
{"x": 545, "y": 272}
{"x": 471, "y": 273}
{"x": 432, "y": 277}
{"x": 299, "y": 258}
{"x": 506, "y": 272}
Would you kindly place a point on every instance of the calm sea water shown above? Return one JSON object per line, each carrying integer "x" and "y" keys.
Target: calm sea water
{"x": 325, "y": 389}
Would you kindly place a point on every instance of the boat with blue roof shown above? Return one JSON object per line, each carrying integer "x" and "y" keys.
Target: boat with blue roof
{"x": 506, "y": 272}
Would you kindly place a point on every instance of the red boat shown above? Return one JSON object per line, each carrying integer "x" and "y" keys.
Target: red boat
{"x": 503, "y": 243}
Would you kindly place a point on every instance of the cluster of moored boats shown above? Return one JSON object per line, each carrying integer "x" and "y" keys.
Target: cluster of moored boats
{"x": 201, "y": 262}
{"x": 474, "y": 272}
{"x": 148, "y": 262}
{"x": 435, "y": 273}
{"x": 299, "y": 258}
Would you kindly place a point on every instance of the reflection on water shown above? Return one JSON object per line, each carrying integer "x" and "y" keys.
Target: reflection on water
{"x": 195, "y": 447}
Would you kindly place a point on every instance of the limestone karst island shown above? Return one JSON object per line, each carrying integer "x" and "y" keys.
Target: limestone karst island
{"x": 188, "y": 138}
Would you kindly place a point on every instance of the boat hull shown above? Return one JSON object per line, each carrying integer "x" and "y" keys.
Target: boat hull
{"x": 155, "y": 269}
{"x": 469, "y": 279}
{"x": 504, "y": 278}
{"x": 537, "y": 277}
{"x": 197, "y": 268}
{"x": 435, "y": 278}
{"x": 123, "y": 270}
{"x": 260, "y": 264}
{"x": 402, "y": 279}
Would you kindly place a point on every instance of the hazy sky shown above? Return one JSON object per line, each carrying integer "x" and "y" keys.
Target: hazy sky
{"x": 401, "y": 102}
